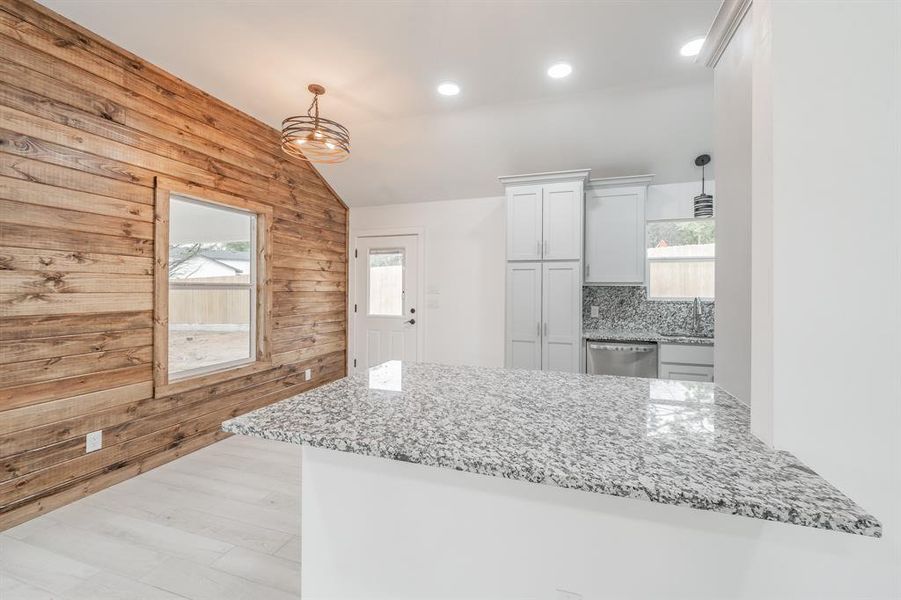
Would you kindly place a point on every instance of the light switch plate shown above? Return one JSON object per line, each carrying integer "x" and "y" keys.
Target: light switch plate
{"x": 93, "y": 441}
{"x": 595, "y": 311}
{"x": 308, "y": 374}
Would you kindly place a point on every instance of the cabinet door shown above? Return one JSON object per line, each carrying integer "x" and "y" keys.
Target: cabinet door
{"x": 686, "y": 372}
{"x": 562, "y": 217}
{"x": 561, "y": 329}
{"x": 524, "y": 222}
{"x": 523, "y": 344}
{"x": 614, "y": 235}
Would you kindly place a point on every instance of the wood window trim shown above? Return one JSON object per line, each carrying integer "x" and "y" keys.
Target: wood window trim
{"x": 164, "y": 188}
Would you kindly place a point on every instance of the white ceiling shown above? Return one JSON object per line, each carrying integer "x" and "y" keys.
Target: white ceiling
{"x": 632, "y": 105}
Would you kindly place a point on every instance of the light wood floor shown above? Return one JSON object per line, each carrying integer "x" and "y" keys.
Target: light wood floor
{"x": 221, "y": 523}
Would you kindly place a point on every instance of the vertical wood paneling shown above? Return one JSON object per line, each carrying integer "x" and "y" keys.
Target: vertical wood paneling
{"x": 85, "y": 127}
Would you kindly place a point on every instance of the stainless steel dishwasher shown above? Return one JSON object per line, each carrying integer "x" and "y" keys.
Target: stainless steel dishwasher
{"x": 631, "y": 359}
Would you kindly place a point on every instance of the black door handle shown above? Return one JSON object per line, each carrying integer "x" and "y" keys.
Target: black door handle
{"x": 410, "y": 322}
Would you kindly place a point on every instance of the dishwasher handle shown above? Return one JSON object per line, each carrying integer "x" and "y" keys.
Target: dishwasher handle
{"x": 623, "y": 347}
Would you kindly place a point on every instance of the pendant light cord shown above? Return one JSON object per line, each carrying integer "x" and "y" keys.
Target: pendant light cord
{"x": 314, "y": 105}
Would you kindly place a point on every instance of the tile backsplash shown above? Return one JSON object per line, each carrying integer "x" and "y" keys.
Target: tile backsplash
{"x": 628, "y": 307}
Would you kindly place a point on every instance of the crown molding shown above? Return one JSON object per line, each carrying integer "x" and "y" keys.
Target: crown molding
{"x": 628, "y": 180}
{"x": 721, "y": 31}
{"x": 575, "y": 174}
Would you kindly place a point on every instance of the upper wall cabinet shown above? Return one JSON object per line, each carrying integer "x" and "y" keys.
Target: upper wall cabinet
{"x": 524, "y": 240}
{"x": 562, "y": 220}
{"x": 614, "y": 230}
{"x": 544, "y": 215}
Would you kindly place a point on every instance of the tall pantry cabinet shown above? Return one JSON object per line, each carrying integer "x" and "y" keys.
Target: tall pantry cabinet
{"x": 544, "y": 270}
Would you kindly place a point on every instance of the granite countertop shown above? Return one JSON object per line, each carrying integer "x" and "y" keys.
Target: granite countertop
{"x": 640, "y": 335}
{"x": 671, "y": 442}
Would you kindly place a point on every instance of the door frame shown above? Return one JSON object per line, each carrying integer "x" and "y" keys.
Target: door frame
{"x": 352, "y": 290}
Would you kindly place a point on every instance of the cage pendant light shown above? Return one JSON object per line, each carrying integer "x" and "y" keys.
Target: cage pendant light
{"x": 313, "y": 138}
{"x": 703, "y": 202}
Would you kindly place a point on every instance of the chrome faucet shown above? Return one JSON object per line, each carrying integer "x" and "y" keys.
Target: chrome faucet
{"x": 697, "y": 315}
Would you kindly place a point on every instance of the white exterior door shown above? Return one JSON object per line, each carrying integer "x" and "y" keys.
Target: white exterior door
{"x": 386, "y": 305}
{"x": 614, "y": 235}
{"x": 562, "y": 301}
{"x": 523, "y": 316}
{"x": 562, "y": 220}
{"x": 524, "y": 222}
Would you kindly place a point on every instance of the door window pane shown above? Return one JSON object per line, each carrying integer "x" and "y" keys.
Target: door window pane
{"x": 681, "y": 258}
{"x": 386, "y": 282}
{"x": 212, "y": 289}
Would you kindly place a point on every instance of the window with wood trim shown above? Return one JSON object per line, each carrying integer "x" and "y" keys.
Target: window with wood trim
{"x": 211, "y": 296}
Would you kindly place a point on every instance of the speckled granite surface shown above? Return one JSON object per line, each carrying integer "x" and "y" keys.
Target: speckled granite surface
{"x": 627, "y": 307}
{"x": 665, "y": 441}
{"x": 632, "y": 335}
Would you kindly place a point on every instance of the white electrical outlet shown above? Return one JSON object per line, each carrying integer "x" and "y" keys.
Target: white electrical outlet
{"x": 308, "y": 374}
{"x": 595, "y": 311}
{"x": 93, "y": 441}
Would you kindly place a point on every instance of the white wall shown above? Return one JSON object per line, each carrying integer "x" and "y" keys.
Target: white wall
{"x": 463, "y": 309}
{"x": 826, "y": 276}
{"x": 676, "y": 200}
{"x": 732, "y": 153}
{"x": 762, "y": 358}
{"x": 401, "y": 528}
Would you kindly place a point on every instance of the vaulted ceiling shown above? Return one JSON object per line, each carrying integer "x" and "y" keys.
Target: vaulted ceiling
{"x": 632, "y": 105}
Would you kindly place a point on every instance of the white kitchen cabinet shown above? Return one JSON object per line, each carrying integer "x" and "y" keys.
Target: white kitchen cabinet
{"x": 524, "y": 324}
{"x": 686, "y": 372}
{"x": 561, "y": 307}
{"x": 685, "y": 362}
{"x": 524, "y": 222}
{"x": 562, "y": 220}
{"x": 544, "y": 323}
{"x": 544, "y": 270}
{"x": 614, "y": 230}
{"x": 544, "y": 215}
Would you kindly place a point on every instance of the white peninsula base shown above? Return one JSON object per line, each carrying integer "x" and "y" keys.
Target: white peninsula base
{"x": 374, "y": 528}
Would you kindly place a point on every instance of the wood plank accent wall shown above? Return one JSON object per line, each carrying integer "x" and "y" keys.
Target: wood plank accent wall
{"x": 84, "y": 128}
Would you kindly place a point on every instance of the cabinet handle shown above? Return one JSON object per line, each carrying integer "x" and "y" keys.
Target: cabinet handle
{"x": 545, "y": 329}
{"x": 539, "y": 328}
{"x": 587, "y": 271}
{"x": 539, "y": 248}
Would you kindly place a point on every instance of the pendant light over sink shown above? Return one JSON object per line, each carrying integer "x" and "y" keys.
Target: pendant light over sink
{"x": 313, "y": 138}
{"x": 703, "y": 201}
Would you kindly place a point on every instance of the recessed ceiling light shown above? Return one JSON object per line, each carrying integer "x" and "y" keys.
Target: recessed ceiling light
{"x": 448, "y": 88}
{"x": 559, "y": 70}
{"x": 692, "y": 48}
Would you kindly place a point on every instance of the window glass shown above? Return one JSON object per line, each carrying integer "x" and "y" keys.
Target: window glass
{"x": 212, "y": 295}
{"x": 386, "y": 282}
{"x": 681, "y": 258}
{"x": 208, "y": 327}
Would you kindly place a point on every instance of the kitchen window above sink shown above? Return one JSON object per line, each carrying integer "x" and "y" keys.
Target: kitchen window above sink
{"x": 681, "y": 257}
